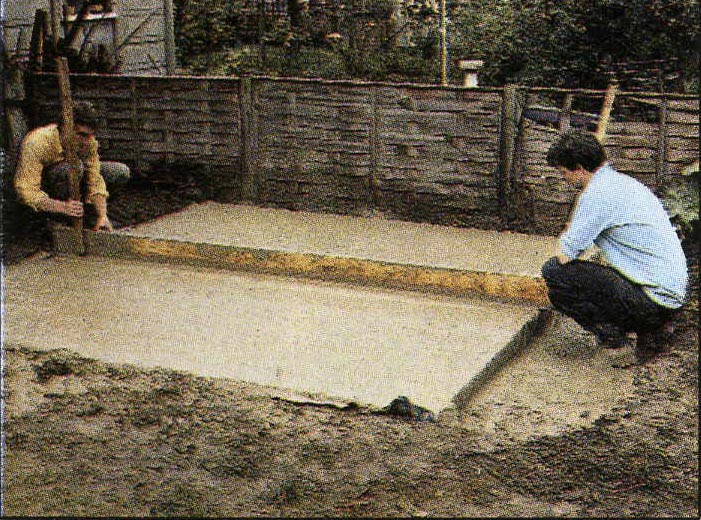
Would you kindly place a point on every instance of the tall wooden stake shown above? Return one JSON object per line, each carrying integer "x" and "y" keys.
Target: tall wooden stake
{"x": 169, "y": 37}
{"x": 602, "y": 125}
{"x": 444, "y": 43}
{"x": 68, "y": 135}
{"x": 67, "y": 126}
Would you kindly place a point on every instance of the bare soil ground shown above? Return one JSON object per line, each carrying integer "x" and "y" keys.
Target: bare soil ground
{"x": 558, "y": 433}
{"x": 89, "y": 438}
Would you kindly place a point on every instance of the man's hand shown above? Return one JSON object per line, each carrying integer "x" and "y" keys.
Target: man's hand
{"x": 71, "y": 208}
{"x": 563, "y": 259}
{"x": 103, "y": 224}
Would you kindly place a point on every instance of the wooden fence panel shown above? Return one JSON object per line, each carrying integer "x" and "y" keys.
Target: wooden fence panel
{"x": 437, "y": 154}
{"x": 648, "y": 151}
{"x": 155, "y": 119}
{"x": 412, "y": 152}
{"x": 314, "y": 145}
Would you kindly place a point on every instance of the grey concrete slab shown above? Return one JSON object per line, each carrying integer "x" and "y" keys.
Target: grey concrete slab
{"x": 378, "y": 239}
{"x": 365, "y": 344}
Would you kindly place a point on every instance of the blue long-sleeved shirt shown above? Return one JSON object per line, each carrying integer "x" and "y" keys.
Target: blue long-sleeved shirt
{"x": 628, "y": 222}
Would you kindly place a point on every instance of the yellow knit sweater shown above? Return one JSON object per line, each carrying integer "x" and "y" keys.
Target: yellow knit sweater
{"x": 42, "y": 148}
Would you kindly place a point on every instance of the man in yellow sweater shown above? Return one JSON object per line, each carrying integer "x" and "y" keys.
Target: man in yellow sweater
{"x": 42, "y": 174}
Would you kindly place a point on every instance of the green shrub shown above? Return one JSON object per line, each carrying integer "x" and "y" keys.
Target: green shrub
{"x": 681, "y": 200}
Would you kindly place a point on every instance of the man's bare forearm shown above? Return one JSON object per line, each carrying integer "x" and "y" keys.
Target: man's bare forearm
{"x": 72, "y": 208}
{"x": 103, "y": 222}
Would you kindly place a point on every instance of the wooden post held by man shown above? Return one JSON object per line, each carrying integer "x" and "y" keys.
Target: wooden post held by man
{"x": 67, "y": 127}
{"x": 68, "y": 136}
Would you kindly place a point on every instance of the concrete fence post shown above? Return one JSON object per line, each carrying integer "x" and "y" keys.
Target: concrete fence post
{"x": 250, "y": 181}
{"x": 136, "y": 121}
{"x": 566, "y": 113}
{"x": 169, "y": 36}
{"x": 661, "y": 166}
{"x": 374, "y": 142}
{"x": 508, "y": 143}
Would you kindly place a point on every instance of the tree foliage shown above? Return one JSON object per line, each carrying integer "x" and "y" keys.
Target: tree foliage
{"x": 572, "y": 43}
{"x": 202, "y": 26}
{"x": 575, "y": 42}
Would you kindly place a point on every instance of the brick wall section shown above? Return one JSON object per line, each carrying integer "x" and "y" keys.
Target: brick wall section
{"x": 412, "y": 152}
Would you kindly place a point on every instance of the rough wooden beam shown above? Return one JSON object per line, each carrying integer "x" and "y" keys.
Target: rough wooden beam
{"x": 55, "y": 14}
{"x": 70, "y": 148}
{"x": 372, "y": 272}
{"x": 609, "y": 98}
{"x": 36, "y": 47}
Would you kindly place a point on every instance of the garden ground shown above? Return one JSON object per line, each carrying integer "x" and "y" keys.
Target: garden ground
{"x": 559, "y": 432}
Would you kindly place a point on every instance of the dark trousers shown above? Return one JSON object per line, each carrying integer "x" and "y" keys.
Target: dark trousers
{"x": 601, "y": 300}
{"x": 55, "y": 179}
{"x": 56, "y": 183}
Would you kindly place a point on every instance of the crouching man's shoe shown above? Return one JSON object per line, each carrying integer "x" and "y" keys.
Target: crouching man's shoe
{"x": 646, "y": 348}
{"x": 651, "y": 343}
{"x": 610, "y": 336}
{"x": 648, "y": 345}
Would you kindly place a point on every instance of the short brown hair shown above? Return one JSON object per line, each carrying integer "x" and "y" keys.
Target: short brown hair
{"x": 576, "y": 148}
{"x": 84, "y": 113}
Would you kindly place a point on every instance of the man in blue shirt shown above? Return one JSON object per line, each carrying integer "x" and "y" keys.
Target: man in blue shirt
{"x": 645, "y": 279}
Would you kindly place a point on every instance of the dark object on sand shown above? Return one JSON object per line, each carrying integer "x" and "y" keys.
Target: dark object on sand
{"x": 402, "y": 407}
